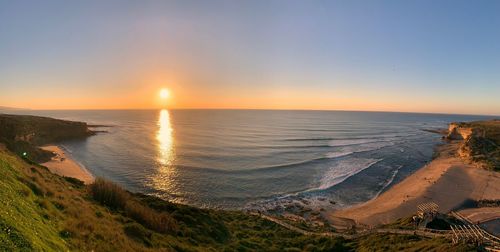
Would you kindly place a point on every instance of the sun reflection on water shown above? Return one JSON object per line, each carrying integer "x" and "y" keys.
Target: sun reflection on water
{"x": 163, "y": 179}
{"x": 165, "y": 139}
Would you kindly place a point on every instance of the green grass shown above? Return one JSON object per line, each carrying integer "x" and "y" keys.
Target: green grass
{"x": 22, "y": 223}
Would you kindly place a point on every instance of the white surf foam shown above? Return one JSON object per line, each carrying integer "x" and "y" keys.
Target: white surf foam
{"x": 388, "y": 182}
{"x": 348, "y": 150}
{"x": 345, "y": 169}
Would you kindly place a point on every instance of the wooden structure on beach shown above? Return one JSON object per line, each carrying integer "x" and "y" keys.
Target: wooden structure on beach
{"x": 429, "y": 208}
{"x": 470, "y": 233}
{"x": 426, "y": 212}
{"x": 467, "y": 234}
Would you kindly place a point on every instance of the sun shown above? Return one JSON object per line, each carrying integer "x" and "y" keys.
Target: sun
{"x": 164, "y": 93}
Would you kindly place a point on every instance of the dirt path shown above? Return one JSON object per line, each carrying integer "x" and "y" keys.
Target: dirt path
{"x": 421, "y": 232}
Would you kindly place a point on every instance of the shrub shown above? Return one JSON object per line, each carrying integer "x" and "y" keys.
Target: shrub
{"x": 76, "y": 182}
{"x": 43, "y": 203}
{"x": 99, "y": 214}
{"x": 113, "y": 196}
{"x": 108, "y": 194}
{"x": 138, "y": 232}
{"x": 65, "y": 234}
{"x": 33, "y": 186}
{"x": 24, "y": 192}
{"x": 59, "y": 205}
{"x": 160, "y": 222}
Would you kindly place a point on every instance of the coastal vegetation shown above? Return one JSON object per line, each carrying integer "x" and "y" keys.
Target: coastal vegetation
{"x": 484, "y": 145}
{"x": 114, "y": 197}
{"x": 481, "y": 142}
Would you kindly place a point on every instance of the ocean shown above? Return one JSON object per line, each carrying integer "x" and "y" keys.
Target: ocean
{"x": 237, "y": 159}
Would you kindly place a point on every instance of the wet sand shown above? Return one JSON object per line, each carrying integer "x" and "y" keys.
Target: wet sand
{"x": 62, "y": 165}
{"x": 447, "y": 181}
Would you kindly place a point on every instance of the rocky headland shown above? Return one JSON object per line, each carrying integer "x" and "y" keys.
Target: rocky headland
{"x": 23, "y": 134}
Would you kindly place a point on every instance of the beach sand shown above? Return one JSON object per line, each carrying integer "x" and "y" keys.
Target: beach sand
{"x": 447, "y": 181}
{"x": 480, "y": 215}
{"x": 62, "y": 165}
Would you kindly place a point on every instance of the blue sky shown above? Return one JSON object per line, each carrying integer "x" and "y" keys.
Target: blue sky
{"x": 425, "y": 56}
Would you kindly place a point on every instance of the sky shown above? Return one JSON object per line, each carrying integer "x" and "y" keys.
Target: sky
{"x": 415, "y": 56}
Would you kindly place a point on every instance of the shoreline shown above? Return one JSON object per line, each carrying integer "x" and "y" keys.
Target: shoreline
{"x": 447, "y": 180}
{"x": 63, "y": 165}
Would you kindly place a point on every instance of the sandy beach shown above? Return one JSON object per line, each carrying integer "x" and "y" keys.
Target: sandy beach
{"x": 447, "y": 181}
{"x": 62, "y": 165}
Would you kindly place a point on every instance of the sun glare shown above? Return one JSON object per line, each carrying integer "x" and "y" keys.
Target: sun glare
{"x": 164, "y": 93}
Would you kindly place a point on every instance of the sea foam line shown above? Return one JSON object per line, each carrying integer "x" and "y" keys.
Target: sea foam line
{"x": 338, "y": 174}
{"x": 393, "y": 175}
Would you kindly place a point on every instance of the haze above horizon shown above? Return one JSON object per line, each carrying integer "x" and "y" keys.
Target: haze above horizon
{"x": 411, "y": 56}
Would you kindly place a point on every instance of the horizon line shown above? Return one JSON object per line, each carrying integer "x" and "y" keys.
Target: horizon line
{"x": 2, "y": 109}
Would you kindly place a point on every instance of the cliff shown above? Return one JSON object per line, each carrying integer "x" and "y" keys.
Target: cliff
{"x": 481, "y": 142}
{"x": 22, "y": 133}
{"x": 462, "y": 131}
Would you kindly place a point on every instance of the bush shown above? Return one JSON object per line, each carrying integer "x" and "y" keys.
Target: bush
{"x": 160, "y": 222}
{"x": 65, "y": 234}
{"x": 138, "y": 232}
{"x": 113, "y": 196}
{"x": 108, "y": 194}
{"x": 99, "y": 214}
{"x": 33, "y": 186}
{"x": 76, "y": 182}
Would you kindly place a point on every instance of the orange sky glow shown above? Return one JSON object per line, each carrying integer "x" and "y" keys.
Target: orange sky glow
{"x": 250, "y": 55}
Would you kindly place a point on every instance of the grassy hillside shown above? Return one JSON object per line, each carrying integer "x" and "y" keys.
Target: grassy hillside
{"x": 44, "y": 212}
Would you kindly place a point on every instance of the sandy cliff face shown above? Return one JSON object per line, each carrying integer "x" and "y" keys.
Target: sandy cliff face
{"x": 458, "y": 131}
{"x": 478, "y": 145}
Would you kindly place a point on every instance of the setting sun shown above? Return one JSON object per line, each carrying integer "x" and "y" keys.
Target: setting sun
{"x": 164, "y": 93}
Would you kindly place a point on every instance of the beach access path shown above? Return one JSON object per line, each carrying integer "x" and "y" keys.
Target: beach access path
{"x": 422, "y": 232}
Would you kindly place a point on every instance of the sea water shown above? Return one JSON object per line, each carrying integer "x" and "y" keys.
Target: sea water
{"x": 241, "y": 158}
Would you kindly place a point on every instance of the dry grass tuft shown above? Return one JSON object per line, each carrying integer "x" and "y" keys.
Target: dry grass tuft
{"x": 111, "y": 195}
{"x": 159, "y": 222}
{"x": 108, "y": 194}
